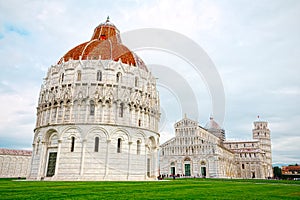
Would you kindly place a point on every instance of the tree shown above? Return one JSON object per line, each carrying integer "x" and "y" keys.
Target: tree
{"x": 277, "y": 172}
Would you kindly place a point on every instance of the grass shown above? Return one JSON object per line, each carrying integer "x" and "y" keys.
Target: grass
{"x": 172, "y": 189}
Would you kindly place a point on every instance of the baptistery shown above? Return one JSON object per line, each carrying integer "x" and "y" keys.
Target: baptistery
{"x": 97, "y": 114}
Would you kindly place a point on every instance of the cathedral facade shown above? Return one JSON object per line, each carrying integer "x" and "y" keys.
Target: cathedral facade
{"x": 197, "y": 151}
{"x": 97, "y": 114}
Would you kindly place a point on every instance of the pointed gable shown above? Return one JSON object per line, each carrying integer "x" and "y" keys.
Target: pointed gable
{"x": 185, "y": 122}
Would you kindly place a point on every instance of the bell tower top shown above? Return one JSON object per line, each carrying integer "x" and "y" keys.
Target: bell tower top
{"x": 261, "y": 129}
{"x": 261, "y": 132}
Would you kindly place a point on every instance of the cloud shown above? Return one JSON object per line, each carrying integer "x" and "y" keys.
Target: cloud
{"x": 293, "y": 90}
{"x": 15, "y": 29}
{"x": 5, "y": 88}
{"x": 254, "y": 45}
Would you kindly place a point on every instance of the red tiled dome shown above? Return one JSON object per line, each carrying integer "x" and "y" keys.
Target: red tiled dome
{"x": 105, "y": 44}
{"x": 212, "y": 124}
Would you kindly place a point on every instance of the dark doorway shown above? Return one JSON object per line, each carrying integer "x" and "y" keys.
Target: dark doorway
{"x": 253, "y": 174}
{"x": 187, "y": 169}
{"x": 51, "y": 164}
{"x": 172, "y": 170}
{"x": 203, "y": 171}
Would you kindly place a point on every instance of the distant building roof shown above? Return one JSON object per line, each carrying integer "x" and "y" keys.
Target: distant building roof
{"x": 15, "y": 152}
{"x": 291, "y": 168}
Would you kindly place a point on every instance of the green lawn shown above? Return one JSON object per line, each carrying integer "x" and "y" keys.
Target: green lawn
{"x": 172, "y": 189}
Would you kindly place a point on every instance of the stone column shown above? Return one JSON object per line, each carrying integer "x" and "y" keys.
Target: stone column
{"x": 117, "y": 119}
{"x": 63, "y": 112}
{"x": 97, "y": 115}
{"x": 155, "y": 163}
{"x": 43, "y": 160}
{"x": 129, "y": 157}
{"x": 71, "y": 112}
{"x": 102, "y": 112}
{"x": 146, "y": 161}
{"x": 42, "y": 117}
{"x": 50, "y": 115}
{"x": 109, "y": 111}
{"x": 57, "y": 111}
{"x": 57, "y": 157}
{"x": 143, "y": 123}
{"x": 130, "y": 116}
{"x": 86, "y": 112}
{"x": 107, "y": 159}
{"x": 82, "y": 156}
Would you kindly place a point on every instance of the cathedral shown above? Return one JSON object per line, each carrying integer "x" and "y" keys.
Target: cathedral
{"x": 97, "y": 114}
{"x": 197, "y": 151}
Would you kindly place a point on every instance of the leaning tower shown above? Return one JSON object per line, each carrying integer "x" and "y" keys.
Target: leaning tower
{"x": 97, "y": 114}
{"x": 261, "y": 132}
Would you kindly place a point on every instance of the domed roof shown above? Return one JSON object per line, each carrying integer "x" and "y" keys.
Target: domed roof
{"x": 105, "y": 44}
{"x": 212, "y": 124}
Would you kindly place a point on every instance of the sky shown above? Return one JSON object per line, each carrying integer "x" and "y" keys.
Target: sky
{"x": 254, "y": 45}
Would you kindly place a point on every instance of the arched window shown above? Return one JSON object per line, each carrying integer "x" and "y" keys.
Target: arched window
{"x": 119, "y": 146}
{"x": 96, "y": 144}
{"x": 92, "y": 108}
{"x": 99, "y": 76}
{"x": 121, "y": 113}
{"x": 138, "y": 147}
{"x": 62, "y": 77}
{"x": 118, "y": 77}
{"x": 72, "y": 144}
{"x": 243, "y": 166}
{"x": 187, "y": 159}
{"x": 140, "y": 122}
{"x": 53, "y": 141}
{"x": 78, "y": 75}
{"x": 136, "y": 81}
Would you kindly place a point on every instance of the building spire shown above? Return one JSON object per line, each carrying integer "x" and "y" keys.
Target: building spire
{"x": 107, "y": 19}
{"x": 258, "y": 119}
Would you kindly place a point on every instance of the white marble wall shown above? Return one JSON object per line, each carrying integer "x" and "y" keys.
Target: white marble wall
{"x": 86, "y": 164}
{"x": 74, "y": 102}
{"x": 14, "y": 165}
{"x": 70, "y": 100}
